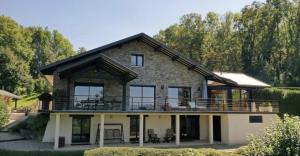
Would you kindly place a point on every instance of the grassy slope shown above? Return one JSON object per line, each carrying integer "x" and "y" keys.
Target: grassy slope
{"x": 30, "y": 101}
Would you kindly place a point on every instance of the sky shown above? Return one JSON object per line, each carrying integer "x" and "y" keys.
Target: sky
{"x": 93, "y": 23}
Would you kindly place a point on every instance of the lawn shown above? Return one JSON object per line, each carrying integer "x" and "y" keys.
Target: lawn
{"x": 122, "y": 151}
{"x": 28, "y": 101}
{"x": 40, "y": 153}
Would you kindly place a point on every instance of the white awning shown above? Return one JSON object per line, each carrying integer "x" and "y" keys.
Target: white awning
{"x": 8, "y": 94}
{"x": 241, "y": 79}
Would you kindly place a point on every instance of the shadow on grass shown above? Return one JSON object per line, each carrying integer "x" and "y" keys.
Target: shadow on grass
{"x": 41, "y": 153}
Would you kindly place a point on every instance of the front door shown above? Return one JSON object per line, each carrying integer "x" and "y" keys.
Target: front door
{"x": 134, "y": 128}
{"x": 189, "y": 127}
{"x": 81, "y": 129}
{"x": 217, "y": 128}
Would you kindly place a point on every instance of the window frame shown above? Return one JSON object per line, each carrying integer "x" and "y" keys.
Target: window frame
{"x": 136, "y": 64}
{"x": 181, "y": 87}
{"x": 142, "y": 93}
{"x": 256, "y": 119}
{"x": 87, "y": 84}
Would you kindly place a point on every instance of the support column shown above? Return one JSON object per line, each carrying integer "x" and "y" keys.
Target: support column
{"x": 210, "y": 129}
{"x": 141, "y": 130}
{"x": 123, "y": 107}
{"x": 101, "y": 139}
{"x": 57, "y": 127}
{"x": 177, "y": 129}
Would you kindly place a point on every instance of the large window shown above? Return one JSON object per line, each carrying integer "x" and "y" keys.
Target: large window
{"x": 179, "y": 96}
{"x": 137, "y": 60}
{"x": 81, "y": 129}
{"x": 86, "y": 91}
{"x": 142, "y": 97}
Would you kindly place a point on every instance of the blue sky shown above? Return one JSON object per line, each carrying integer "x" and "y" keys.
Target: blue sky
{"x": 93, "y": 23}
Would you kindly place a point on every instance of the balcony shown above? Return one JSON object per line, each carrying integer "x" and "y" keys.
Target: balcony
{"x": 159, "y": 104}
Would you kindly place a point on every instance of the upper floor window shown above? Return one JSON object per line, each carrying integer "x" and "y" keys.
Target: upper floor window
{"x": 179, "y": 96}
{"x": 137, "y": 60}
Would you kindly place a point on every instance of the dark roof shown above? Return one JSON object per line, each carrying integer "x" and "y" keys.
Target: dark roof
{"x": 48, "y": 69}
{"x": 103, "y": 62}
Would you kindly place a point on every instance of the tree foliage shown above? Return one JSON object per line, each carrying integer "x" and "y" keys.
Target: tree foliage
{"x": 3, "y": 112}
{"x": 281, "y": 138}
{"x": 263, "y": 39}
{"x": 23, "y": 50}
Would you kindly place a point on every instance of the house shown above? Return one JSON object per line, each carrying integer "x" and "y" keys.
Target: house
{"x": 137, "y": 89}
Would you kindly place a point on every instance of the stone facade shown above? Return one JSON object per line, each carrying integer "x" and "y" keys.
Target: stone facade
{"x": 159, "y": 70}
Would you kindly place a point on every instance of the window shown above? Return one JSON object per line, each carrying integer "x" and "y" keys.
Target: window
{"x": 255, "y": 119}
{"x": 137, "y": 60}
{"x": 134, "y": 127}
{"x": 81, "y": 129}
{"x": 87, "y": 91}
{"x": 179, "y": 96}
{"x": 142, "y": 97}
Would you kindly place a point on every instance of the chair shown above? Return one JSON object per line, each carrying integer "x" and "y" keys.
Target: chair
{"x": 153, "y": 137}
{"x": 169, "y": 135}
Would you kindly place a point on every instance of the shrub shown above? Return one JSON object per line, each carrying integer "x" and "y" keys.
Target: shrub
{"x": 118, "y": 151}
{"x": 33, "y": 126}
{"x": 3, "y": 113}
{"x": 281, "y": 138}
{"x": 288, "y": 98}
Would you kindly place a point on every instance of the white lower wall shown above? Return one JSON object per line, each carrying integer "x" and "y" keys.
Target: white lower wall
{"x": 117, "y": 119}
{"x": 234, "y": 127}
{"x": 65, "y": 129}
{"x": 203, "y": 127}
{"x": 237, "y": 127}
{"x": 49, "y": 132}
{"x": 159, "y": 123}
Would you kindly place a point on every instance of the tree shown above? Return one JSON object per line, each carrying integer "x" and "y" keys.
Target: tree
{"x": 281, "y": 138}
{"x": 3, "y": 113}
{"x": 81, "y": 50}
{"x": 24, "y": 50}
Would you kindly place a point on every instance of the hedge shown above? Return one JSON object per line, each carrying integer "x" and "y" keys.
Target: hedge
{"x": 40, "y": 153}
{"x": 122, "y": 151}
{"x": 288, "y": 98}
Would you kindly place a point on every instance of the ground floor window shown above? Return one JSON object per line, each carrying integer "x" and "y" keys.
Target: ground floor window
{"x": 189, "y": 127}
{"x": 81, "y": 129}
{"x": 134, "y": 128}
{"x": 179, "y": 96}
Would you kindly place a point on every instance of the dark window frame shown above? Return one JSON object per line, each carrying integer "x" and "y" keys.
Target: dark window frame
{"x": 182, "y": 87}
{"x": 89, "y": 84}
{"x": 255, "y": 119}
{"x": 136, "y": 64}
{"x": 81, "y": 117}
{"x": 142, "y": 92}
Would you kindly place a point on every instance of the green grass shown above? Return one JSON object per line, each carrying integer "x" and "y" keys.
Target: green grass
{"x": 40, "y": 153}
{"x": 28, "y": 101}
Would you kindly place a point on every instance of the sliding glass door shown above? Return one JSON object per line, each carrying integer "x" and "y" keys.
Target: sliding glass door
{"x": 81, "y": 129}
{"x": 142, "y": 97}
{"x": 87, "y": 92}
{"x": 179, "y": 96}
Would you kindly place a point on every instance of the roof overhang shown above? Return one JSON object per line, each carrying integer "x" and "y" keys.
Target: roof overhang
{"x": 8, "y": 94}
{"x": 240, "y": 79}
{"x": 100, "y": 61}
